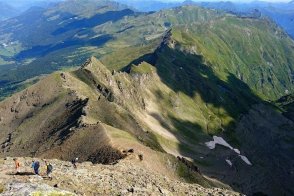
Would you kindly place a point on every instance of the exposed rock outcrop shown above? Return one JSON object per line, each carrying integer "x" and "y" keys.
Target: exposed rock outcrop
{"x": 124, "y": 178}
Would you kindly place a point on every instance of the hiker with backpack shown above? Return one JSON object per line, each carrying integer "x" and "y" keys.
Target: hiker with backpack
{"x": 49, "y": 169}
{"x": 17, "y": 165}
{"x": 74, "y": 162}
{"x": 36, "y": 166}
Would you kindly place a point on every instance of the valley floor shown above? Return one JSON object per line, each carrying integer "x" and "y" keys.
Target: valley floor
{"x": 123, "y": 178}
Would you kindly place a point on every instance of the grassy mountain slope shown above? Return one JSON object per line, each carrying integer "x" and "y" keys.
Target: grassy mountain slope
{"x": 232, "y": 45}
{"x": 188, "y": 74}
{"x": 73, "y": 114}
{"x": 142, "y": 110}
{"x": 266, "y": 68}
{"x": 223, "y": 107}
{"x": 280, "y": 12}
{"x": 236, "y": 46}
{"x": 60, "y": 41}
{"x": 39, "y": 32}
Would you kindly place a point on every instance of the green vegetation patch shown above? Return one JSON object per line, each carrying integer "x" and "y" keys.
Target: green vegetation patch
{"x": 142, "y": 68}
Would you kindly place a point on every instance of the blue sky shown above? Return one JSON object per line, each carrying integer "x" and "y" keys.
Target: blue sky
{"x": 183, "y": 0}
{"x": 228, "y": 0}
{"x": 170, "y": 0}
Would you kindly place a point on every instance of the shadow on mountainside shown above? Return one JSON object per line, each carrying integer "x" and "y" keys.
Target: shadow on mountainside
{"x": 40, "y": 51}
{"x": 187, "y": 73}
{"x": 86, "y": 23}
{"x": 98, "y": 19}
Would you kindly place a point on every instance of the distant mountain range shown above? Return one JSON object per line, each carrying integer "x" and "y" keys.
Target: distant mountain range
{"x": 7, "y": 11}
{"x": 281, "y": 13}
{"x": 13, "y": 8}
{"x": 24, "y": 5}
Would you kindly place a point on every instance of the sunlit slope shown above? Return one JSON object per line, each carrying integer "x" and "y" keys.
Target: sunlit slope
{"x": 161, "y": 111}
{"x": 97, "y": 114}
{"x": 255, "y": 51}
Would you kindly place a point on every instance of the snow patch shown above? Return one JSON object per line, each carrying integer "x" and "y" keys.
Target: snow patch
{"x": 210, "y": 145}
{"x": 229, "y": 162}
{"x": 237, "y": 150}
{"x": 219, "y": 140}
{"x": 245, "y": 159}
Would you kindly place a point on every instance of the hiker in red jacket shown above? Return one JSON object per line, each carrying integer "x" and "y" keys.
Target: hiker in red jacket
{"x": 17, "y": 165}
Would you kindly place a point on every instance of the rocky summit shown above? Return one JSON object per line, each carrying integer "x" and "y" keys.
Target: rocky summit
{"x": 124, "y": 178}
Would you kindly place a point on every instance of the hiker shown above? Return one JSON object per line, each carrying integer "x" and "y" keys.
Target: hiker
{"x": 33, "y": 164}
{"x": 74, "y": 162}
{"x": 49, "y": 169}
{"x": 17, "y": 165}
{"x": 36, "y": 166}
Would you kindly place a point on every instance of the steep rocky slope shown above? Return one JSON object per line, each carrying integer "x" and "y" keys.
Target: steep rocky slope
{"x": 125, "y": 178}
{"x": 90, "y": 113}
{"x": 98, "y": 115}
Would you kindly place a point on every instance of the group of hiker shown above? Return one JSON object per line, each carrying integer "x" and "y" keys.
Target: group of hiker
{"x": 36, "y": 166}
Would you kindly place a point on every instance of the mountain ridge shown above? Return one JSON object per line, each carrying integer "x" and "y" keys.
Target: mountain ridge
{"x": 134, "y": 120}
{"x": 89, "y": 128}
{"x": 280, "y": 12}
{"x": 194, "y": 77}
{"x": 106, "y": 43}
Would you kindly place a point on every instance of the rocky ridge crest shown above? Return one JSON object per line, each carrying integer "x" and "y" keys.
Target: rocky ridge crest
{"x": 124, "y": 178}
